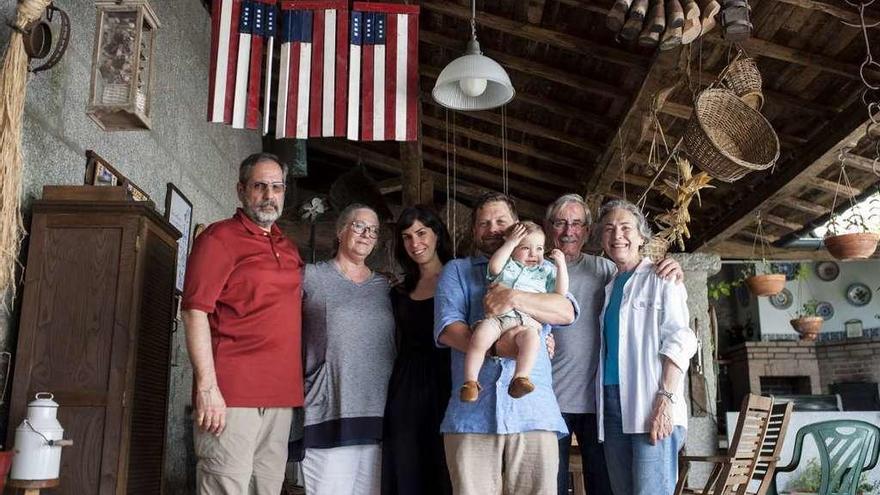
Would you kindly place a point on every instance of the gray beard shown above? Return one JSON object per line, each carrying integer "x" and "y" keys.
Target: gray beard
{"x": 262, "y": 218}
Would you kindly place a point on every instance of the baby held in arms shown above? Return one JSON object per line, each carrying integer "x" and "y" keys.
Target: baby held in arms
{"x": 519, "y": 264}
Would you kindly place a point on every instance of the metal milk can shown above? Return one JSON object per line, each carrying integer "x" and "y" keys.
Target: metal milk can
{"x": 38, "y": 441}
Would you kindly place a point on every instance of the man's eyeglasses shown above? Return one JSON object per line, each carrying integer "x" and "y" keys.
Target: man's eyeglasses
{"x": 359, "y": 228}
{"x": 562, "y": 224}
{"x": 263, "y": 187}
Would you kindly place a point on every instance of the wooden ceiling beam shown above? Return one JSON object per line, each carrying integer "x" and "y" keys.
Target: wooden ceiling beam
{"x": 662, "y": 75}
{"x": 789, "y": 178}
{"x": 832, "y": 187}
{"x": 526, "y": 127}
{"x": 496, "y": 141}
{"x": 531, "y": 68}
{"x": 733, "y": 249}
{"x": 526, "y": 207}
{"x": 581, "y": 46}
{"x": 781, "y": 222}
{"x": 769, "y": 238}
{"x": 839, "y": 10}
{"x": 586, "y": 5}
{"x": 389, "y": 186}
{"x": 488, "y": 178}
{"x": 343, "y": 149}
{"x": 862, "y": 163}
{"x": 495, "y": 162}
{"x": 805, "y": 206}
{"x": 563, "y": 110}
{"x": 756, "y": 46}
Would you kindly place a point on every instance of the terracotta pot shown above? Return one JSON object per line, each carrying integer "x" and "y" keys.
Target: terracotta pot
{"x": 766, "y": 285}
{"x": 808, "y": 326}
{"x": 859, "y": 245}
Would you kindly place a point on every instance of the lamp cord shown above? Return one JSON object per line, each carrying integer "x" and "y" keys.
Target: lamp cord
{"x": 474, "y": 19}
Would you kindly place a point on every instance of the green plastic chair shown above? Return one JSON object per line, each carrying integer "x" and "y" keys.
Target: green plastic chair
{"x": 844, "y": 447}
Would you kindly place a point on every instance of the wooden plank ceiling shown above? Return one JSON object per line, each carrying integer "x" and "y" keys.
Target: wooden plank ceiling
{"x": 581, "y": 119}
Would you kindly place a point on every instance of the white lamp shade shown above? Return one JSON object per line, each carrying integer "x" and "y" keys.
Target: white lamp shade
{"x": 447, "y": 90}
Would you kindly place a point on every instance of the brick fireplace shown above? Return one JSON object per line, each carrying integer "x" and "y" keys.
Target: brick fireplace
{"x": 797, "y": 367}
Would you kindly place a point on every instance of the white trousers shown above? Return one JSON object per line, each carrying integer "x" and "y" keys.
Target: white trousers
{"x": 352, "y": 470}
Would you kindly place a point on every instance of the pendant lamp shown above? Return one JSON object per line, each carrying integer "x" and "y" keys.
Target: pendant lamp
{"x": 473, "y": 81}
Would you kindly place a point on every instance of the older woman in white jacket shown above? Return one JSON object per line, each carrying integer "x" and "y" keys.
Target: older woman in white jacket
{"x": 646, "y": 345}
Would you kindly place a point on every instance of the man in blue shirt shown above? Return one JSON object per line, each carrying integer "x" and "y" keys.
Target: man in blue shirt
{"x": 497, "y": 441}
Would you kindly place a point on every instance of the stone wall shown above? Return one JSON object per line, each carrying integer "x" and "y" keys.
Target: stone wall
{"x": 199, "y": 158}
{"x": 702, "y": 423}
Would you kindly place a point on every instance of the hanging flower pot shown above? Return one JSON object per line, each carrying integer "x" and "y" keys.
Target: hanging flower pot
{"x": 808, "y": 326}
{"x": 766, "y": 285}
{"x": 851, "y": 246}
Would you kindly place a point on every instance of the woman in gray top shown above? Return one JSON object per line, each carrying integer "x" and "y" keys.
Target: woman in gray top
{"x": 348, "y": 340}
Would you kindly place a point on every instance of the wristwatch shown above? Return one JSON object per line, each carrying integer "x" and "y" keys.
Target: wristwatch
{"x": 665, "y": 393}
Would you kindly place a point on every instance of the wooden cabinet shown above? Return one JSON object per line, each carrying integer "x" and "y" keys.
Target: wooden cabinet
{"x": 95, "y": 330}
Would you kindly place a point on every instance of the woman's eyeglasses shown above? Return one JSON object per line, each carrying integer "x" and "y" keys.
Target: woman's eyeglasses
{"x": 359, "y": 228}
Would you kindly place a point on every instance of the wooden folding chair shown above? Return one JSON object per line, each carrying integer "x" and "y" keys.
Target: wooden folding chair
{"x": 733, "y": 471}
{"x": 771, "y": 449}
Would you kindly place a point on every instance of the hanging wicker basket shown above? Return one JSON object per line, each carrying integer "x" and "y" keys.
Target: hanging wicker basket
{"x": 655, "y": 249}
{"x": 808, "y": 326}
{"x": 766, "y": 285}
{"x": 852, "y": 246}
{"x": 743, "y": 78}
{"x": 727, "y": 138}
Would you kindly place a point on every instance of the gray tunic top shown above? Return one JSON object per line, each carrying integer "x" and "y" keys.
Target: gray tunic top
{"x": 577, "y": 345}
{"x": 348, "y": 342}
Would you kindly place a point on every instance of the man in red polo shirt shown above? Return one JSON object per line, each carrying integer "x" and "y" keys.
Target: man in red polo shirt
{"x": 242, "y": 310}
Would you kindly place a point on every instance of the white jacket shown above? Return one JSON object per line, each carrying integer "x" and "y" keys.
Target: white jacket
{"x": 653, "y": 323}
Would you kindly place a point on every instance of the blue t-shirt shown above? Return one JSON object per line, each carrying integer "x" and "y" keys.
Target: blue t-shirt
{"x": 611, "y": 330}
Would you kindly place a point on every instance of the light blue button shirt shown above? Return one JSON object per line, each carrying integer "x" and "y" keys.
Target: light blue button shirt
{"x": 459, "y": 297}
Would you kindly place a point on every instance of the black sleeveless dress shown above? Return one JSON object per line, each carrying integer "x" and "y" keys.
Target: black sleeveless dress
{"x": 413, "y": 460}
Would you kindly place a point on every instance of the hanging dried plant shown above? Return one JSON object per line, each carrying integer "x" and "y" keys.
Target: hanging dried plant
{"x": 13, "y": 78}
{"x": 674, "y": 222}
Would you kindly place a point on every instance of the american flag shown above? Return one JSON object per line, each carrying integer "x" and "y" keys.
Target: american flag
{"x": 383, "y": 80}
{"x": 314, "y": 61}
{"x": 240, "y": 31}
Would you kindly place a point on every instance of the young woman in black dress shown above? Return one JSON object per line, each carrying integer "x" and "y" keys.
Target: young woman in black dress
{"x": 413, "y": 460}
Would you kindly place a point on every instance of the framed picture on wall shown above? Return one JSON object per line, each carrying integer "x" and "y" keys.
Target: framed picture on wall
{"x": 178, "y": 212}
{"x": 853, "y": 329}
{"x": 100, "y": 173}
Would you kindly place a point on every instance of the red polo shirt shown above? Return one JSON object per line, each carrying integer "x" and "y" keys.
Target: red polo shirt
{"x": 249, "y": 281}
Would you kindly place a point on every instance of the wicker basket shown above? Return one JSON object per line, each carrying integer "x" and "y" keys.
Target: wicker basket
{"x": 655, "y": 249}
{"x": 742, "y": 77}
{"x": 727, "y": 138}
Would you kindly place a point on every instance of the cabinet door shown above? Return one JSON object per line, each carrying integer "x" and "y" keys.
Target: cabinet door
{"x": 74, "y": 338}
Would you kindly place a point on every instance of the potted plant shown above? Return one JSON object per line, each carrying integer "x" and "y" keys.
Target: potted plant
{"x": 848, "y": 236}
{"x": 807, "y": 321}
{"x": 855, "y": 241}
{"x": 765, "y": 281}
{"x": 809, "y": 480}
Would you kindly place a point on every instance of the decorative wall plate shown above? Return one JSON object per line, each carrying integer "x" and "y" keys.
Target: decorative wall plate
{"x": 827, "y": 270}
{"x": 858, "y": 294}
{"x": 781, "y": 300}
{"x": 789, "y": 269}
{"x": 825, "y": 310}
